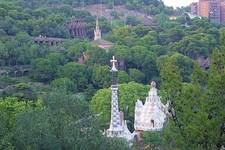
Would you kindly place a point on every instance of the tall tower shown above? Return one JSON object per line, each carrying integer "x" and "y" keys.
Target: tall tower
{"x": 97, "y": 31}
{"x": 194, "y": 8}
{"x": 222, "y": 13}
{"x": 214, "y": 10}
{"x": 116, "y": 129}
{"x": 203, "y": 8}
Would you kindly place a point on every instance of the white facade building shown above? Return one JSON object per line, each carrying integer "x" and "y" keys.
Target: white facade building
{"x": 150, "y": 116}
{"x": 153, "y": 114}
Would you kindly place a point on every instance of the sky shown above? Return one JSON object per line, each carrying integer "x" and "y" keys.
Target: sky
{"x": 178, "y": 3}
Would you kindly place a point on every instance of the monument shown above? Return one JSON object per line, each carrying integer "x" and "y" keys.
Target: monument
{"x": 98, "y": 41}
{"x": 97, "y": 31}
{"x": 77, "y": 28}
{"x": 152, "y": 115}
{"x": 118, "y": 127}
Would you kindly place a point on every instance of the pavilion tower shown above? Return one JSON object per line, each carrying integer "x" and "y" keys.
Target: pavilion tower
{"x": 116, "y": 129}
{"x": 97, "y": 31}
{"x": 152, "y": 115}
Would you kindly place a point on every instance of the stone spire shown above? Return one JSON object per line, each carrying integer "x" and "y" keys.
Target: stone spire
{"x": 97, "y": 31}
{"x": 116, "y": 129}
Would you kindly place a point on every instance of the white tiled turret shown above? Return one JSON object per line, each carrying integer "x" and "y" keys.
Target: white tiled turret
{"x": 118, "y": 127}
{"x": 153, "y": 114}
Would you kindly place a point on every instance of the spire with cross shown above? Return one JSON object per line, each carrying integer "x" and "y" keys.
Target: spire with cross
{"x": 118, "y": 127}
{"x": 115, "y": 129}
{"x": 113, "y": 61}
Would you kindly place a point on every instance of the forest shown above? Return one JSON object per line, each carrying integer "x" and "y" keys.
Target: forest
{"x": 48, "y": 100}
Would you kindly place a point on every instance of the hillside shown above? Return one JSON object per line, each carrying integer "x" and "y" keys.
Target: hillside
{"x": 102, "y": 10}
{"x": 55, "y": 79}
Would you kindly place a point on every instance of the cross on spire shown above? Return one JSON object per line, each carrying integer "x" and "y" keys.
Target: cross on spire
{"x": 113, "y": 61}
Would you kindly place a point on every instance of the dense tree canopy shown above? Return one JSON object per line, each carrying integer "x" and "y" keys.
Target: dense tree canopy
{"x": 58, "y": 97}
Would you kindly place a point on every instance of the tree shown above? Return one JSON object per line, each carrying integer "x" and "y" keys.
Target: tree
{"x": 123, "y": 77}
{"x": 173, "y": 35}
{"x": 63, "y": 83}
{"x": 140, "y": 30}
{"x": 122, "y": 36}
{"x": 100, "y": 76}
{"x": 184, "y": 64}
{"x": 199, "y": 44}
{"x": 128, "y": 95}
{"x": 44, "y": 70}
{"x": 97, "y": 56}
{"x": 215, "y": 96}
{"x": 153, "y": 139}
{"x": 10, "y": 107}
{"x": 137, "y": 75}
{"x": 130, "y": 20}
{"x": 78, "y": 73}
{"x": 143, "y": 60}
{"x": 57, "y": 58}
{"x": 76, "y": 49}
{"x": 169, "y": 77}
{"x": 148, "y": 40}
{"x": 33, "y": 130}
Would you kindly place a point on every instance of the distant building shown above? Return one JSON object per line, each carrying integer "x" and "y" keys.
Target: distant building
{"x": 222, "y": 12}
{"x": 203, "y": 8}
{"x": 48, "y": 40}
{"x": 212, "y": 9}
{"x": 97, "y": 31}
{"x": 98, "y": 41}
{"x": 194, "y": 8}
{"x": 77, "y": 28}
{"x": 153, "y": 114}
{"x": 150, "y": 116}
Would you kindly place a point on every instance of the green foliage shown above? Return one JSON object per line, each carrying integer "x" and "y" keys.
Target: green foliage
{"x": 44, "y": 69}
{"x": 100, "y": 76}
{"x": 128, "y": 95}
{"x": 123, "y": 77}
{"x": 98, "y": 56}
{"x": 184, "y": 64}
{"x": 193, "y": 45}
{"x": 136, "y": 75}
{"x": 78, "y": 73}
{"x": 64, "y": 122}
{"x": 76, "y": 49}
{"x": 22, "y": 86}
{"x": 56, "y": 58}
{"x": 130, "y": 20}
{"x": 63, "y": 83}
{"x": 164, "y": 52}
{"x": 170, "y": 77}
{"x": 153, "y": 139}
{"x": 140, "y": 58}
{"x": 10, "y": 107}
{"x": 33, "y": 130}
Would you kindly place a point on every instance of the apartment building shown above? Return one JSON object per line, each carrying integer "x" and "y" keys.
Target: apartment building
{"x": 212, "y": 9}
